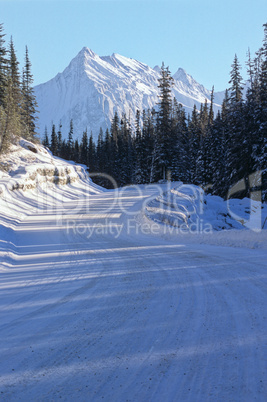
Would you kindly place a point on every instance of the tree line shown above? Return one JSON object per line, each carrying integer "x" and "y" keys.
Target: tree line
{"x": 212, "y": 151}
{"x": 17, "y": 100}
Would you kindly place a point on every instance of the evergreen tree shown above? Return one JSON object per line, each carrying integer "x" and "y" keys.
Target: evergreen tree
{"x": 100, "y": 151}
{"x": 179, "y": 145}
{"x": 236, "y": 155}
{"x": 45, "y": 141}
{"x": 29, "y": 100}
{"x": 236, "y": 82}
{"x": 211, "y": 112}
{"x": 11, "y": 121}
{"x": 148, "y": 140}
{"x": 263, "y": 73}
{"x": 76, "y": 151}
{"x": 70, "y": 143}
{"x": 194, "y": 144}
{"x": 138, "y": 148}
{"x": 3, "y": 68}
{"x": 92, "y": 159}
{"x": 54, "y": 141}
{"x": 164, "y": 121}
{"x": 260, "y": 147}
{"x": 84, "y": 149}
{"x": 114, "y": 157}
{"x": 59, "y": 140}
{"x": 13, "y": 71}
{"x": 107, "y": 157}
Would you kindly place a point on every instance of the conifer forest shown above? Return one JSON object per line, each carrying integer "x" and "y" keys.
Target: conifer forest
{"x": 214, "y": 151}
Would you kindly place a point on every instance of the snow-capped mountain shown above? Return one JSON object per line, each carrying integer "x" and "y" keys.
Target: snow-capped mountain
{"x": 92, "y": 88}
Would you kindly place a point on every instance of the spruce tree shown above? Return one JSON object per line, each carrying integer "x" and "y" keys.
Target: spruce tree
{"x": 11, "y": 126}
{"x": 179, "y": 145}
{"x": 260, "y": 148}
{"x": 84, "y": 149}
{"x": 54, "y": 141}
{"x": 114, "y": 157}
{"x": 3, "y": 68}
{"x": 164, "y": 121}
{"x": 107, "y": 158}
{"x": 236, "y": 82}
{"x": 194, "y": 144}
{"x": 13, "y": 71}
{"x": 236, "y": 155}
{"x": 91, "y": 157}
{"x": 148, "y": 140}
{"x": 45, "y": 141}
{"x": 138, "y": 147}
{"x": 76, "y": 151}
{"x": 100, "y": 151}
{"x": 59, "y": 140}
{"x": 70, "y": 143}
{"x": 29, "y": 100}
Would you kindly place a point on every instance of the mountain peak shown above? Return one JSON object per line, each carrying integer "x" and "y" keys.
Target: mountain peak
{"x": 87, "y": 51}
{"x": 181, "y": 75}
{"x": 92, "y": 87}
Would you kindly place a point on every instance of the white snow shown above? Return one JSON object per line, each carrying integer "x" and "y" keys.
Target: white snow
{"x": 98, "y": 301}
{"x": 185, "y": 210}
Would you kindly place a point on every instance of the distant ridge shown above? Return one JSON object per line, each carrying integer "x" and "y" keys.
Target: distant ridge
{"x": 92, "y": 88}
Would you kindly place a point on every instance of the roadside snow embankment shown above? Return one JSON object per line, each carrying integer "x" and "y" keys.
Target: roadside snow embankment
{"x": 187, "y": 211}
{"x": 29, "y": 165}
{"x": 33, "y": 181}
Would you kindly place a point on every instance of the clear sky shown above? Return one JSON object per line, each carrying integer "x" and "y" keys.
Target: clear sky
{"x": 201, "y": 36}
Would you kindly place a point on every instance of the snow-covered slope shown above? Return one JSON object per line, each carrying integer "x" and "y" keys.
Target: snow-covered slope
{"x": 92, "y": 88}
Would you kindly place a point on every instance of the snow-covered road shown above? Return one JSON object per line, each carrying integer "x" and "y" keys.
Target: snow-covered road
{"x": 94, "y": 307}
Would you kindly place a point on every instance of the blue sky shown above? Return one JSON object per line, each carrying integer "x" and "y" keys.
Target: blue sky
{"x": 201, "y": 36}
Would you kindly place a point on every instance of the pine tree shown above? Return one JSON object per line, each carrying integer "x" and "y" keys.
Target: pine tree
{"x": 263, "y": 73}
{"x": 114, "y": 157}
{"x": 29, "y": 100}
{"x": 59, "y": 140}
{"x": 100, "y": 151}
{"x": 236, "y": 82}
{"x": 84, "y": 149}
{"x": 148, "y": 140}
{"x": 46, "y": 139}
{"x": 138, "y": 147}
{"x": 76, "y": 151}
{"x": 164, "y": 121}
{"x": 13, "y": 71}
{"x": 260, "y": 147}
{"x": 70, "y": 143}
{"x": 3, "y": 68}
{"x": 11, "y": 125}
{"x": 107, "y": 158}
{"x": 54, "y": 141}
{"x": 194, "y": 144}
{"x": 221, "y": 132}
{"x": 179, "y": 145}
{"x": 92, "y": 159}
{"x": 236, "y": 155}
{"x": 211, "y": 112}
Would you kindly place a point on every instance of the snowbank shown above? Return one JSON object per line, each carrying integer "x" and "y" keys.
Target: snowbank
{"x": 186, "y": 211}
{"x": 29, "y": 165}
{"x": 33, "y": 181}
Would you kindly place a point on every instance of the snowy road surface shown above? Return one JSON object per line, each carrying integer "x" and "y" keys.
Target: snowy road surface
{"x": 93, "y": 307}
